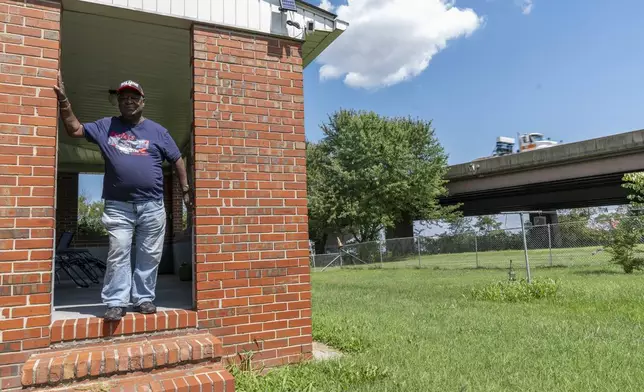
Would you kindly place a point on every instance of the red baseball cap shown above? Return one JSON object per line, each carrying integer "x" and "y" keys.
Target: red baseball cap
{"x": 130, "y": 85}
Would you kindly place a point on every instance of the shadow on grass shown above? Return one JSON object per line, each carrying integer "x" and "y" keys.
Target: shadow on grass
{"x": 370, "y": 267}
{"x": 555, "y": 266}
{"x": 519, "y": 266}
{"x": 599, "y": 272}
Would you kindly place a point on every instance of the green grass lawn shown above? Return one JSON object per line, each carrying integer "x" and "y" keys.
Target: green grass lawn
{"x": 419, "y": 330}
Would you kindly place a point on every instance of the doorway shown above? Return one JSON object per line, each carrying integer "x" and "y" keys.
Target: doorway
{"x": 102, "y": 46}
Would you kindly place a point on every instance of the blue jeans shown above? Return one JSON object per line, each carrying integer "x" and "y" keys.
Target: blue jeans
{"x": 147, "y": 222}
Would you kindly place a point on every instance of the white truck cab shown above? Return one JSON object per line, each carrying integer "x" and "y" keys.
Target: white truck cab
{"x": 534, "y": 141}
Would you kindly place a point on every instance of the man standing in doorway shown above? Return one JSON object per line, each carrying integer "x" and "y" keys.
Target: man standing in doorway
{"x": 134, "y": 149}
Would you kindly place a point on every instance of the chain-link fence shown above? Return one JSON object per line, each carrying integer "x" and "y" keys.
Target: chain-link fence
{"x": 563, "y": 244}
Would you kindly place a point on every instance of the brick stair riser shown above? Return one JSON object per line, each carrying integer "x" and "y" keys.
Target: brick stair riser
{"x": 53, "y": 368}
{"x": 132, "y": 324}
{"x": 206, "y": 379}
{"x": 90, "y": 344}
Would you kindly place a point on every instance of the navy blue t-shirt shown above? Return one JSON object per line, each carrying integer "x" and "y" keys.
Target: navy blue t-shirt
{"x": 133, "y": 155}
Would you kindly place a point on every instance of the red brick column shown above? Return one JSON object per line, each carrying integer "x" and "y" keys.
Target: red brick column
{"x": 252, "y": 272}
{"x": 28, "y": 66}
{"x": 177, "y": 206}
{"x": 174, "y": 206}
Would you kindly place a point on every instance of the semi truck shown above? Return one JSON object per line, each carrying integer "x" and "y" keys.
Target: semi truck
{"x": 527, "y": 142}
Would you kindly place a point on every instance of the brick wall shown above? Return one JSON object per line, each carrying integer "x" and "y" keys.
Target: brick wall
{"x": 66, "y": 203}
{"x": 253, "y": 278}
{"x": 28, "y": 64}
{"x": 174, "y": 205}
{"x": 167, "y": 201}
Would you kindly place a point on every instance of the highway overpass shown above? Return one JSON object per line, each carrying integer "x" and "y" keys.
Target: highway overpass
{"x": 571, "y": 175}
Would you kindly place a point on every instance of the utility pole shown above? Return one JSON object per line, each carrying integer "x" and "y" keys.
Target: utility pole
{"x": 525, "y": 251}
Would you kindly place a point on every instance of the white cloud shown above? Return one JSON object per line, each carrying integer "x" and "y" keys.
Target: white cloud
{"x": 526, "y": 7}
{"x": 390, "y": 41}
{"x": 326, "y": 5}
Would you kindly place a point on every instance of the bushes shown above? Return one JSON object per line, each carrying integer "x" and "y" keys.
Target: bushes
{"x": 627, "y": 234}
{"x": 519, "y": 291}
{"x": 622, "y": 244}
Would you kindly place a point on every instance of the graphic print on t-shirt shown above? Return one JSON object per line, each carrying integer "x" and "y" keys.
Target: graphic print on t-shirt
{"x": 128, "y": 143}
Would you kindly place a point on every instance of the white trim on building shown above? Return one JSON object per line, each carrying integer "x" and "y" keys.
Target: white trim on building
{"x": 261, "y": 16}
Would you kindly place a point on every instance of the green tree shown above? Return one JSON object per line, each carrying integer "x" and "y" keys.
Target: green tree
{"x": 623, "y": 241}
{"x": 623, "y": 244}
{"x": 486, "y": 224}
{"x": 576, "y": 215}
{"x": 635, "y": 183}
{"x": 321, "y": 223}
{"x": 459, "y": 225}
{"x": 604, "y": 218}
{"x": 89, "y": 216}
{"x": 370, "y": 172}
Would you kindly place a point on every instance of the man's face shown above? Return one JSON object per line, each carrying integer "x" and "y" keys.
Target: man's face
{"x": 130, "y": 103}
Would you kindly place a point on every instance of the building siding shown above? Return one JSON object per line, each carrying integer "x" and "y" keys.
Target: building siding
{"x": 259, "y": 15}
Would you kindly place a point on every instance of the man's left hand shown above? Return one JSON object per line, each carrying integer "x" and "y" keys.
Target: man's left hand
{"x": 187, "y": 200}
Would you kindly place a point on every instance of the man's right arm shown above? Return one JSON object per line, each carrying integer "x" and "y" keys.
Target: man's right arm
{"x": 73, "y": 127}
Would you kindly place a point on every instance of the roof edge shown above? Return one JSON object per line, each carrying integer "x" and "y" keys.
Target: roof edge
{"x": 305, "y": 4}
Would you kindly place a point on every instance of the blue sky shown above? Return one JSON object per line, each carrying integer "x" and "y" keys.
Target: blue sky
{"x": 571, "y": 69}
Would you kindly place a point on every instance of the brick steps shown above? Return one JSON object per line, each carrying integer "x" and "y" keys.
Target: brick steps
{"x": 107, "y": 359}
{"x": 209, "y": 378}
{"x": 132, "y": 324}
